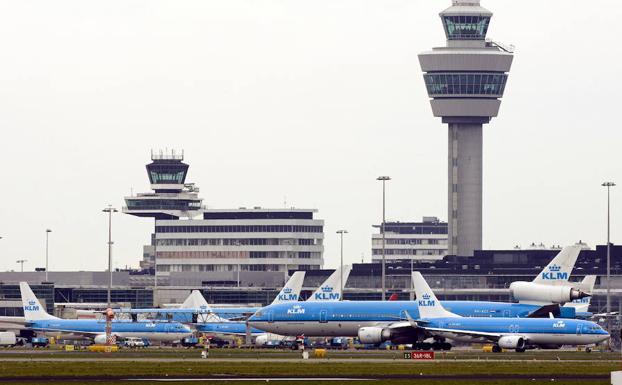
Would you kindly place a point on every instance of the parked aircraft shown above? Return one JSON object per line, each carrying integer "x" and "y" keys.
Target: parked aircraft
{"x": 330, "y": 290}
{"x": 38, "y": 320}
{"x": 509, "y": 333}
{"x": 196, "y": 309}
{"x": 379, "y": 321}
{"x": 552, "y": 285}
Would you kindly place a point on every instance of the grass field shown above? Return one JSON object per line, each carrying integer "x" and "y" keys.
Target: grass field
{"x": 387, "y": 367}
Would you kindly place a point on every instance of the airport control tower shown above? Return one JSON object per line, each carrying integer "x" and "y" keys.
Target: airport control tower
{"x": 172, "y": 197}
{"x": 465, "y": 81}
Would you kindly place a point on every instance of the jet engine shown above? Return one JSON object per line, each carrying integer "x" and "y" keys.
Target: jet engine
{"x": 374, "y": 335}
{"x": 100, "y": 339}
{"x": 512, "y": 342}
{"x": 539, "y": 293}
{"x": 261, "y": 339}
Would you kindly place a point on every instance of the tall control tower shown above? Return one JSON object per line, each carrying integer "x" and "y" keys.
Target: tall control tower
{"x": 465, "y": 80}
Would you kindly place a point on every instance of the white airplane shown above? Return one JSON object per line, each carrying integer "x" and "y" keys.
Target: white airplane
{"x": 551, "y": 286}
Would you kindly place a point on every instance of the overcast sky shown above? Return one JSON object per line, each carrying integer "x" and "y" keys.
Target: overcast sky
{"x": 303, "y": 101}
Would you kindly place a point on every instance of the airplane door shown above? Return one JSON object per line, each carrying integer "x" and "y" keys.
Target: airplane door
{"x": 506, "y": 313}
{"x": 323, "y": 316}
{"x": 579, "y": 330}
{"x": 270, "y": 316}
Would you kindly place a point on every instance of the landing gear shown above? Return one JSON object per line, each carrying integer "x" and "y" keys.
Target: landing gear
{"x": 423, "y": 346}
{"x": 520, "y": 350}
{"x": 496, "y": 349}
{"x": 441, "y": 346}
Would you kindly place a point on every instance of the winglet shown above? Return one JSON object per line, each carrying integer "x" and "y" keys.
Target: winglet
{"x": 33, "y": 311}
{"x": 559, "y": 269}
{"x": 429, "y": 306}
{"x": 291, "y": 291}
{"x": 410, "y": 319}
{"x": 587, "y": 284}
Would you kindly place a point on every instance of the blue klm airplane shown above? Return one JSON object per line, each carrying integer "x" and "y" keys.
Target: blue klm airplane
{"x": 38, "y": 320}
{"x": 417, "y": 321}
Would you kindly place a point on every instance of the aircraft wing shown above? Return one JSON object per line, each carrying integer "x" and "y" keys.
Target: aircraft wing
{"x": 469, "y": 333}
{"x": 162, "y": 311}
{"x": 9, "y": 322}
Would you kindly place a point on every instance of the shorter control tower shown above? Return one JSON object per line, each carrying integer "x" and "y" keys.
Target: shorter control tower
{"x": 465, "y": 81}
{"x": 172, "y": 197}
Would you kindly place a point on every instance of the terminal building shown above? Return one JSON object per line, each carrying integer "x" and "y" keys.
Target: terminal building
{"x": 485, "y": 276}
{"x": 193, "y": 245}
{"x": 411, "y": 241}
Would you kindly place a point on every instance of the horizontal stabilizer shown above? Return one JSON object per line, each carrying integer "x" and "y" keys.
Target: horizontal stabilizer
{"x": 546, "y": 311}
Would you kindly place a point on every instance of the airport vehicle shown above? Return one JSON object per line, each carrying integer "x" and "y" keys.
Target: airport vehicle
{"x": 133, "y": 342}
{"x": 38, "y": 320}
{"x": 552, "y": 285}
{"x": 7, "y": 339}
{"x": 40, "y": 342}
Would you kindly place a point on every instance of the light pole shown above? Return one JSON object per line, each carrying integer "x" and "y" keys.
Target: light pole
{"x": 384, "y": 286}
{"x": 47, "y": 254}
{"x": 341, "y": 232}
{"x": 21, "y": 261}
{"x": 609, "y": 185}
{"x": 109, "y": 210}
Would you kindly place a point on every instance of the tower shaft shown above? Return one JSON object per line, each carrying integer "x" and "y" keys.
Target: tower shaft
{"x": 464, "y": 188}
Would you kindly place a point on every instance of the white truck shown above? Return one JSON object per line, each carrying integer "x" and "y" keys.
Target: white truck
{"x": 7, "y": 339}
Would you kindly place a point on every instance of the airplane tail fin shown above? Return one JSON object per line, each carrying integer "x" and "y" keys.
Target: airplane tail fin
{"x": 587, "y": 285}
{"x": 291, "y": 291}
{"x": 429, "y": 305}
{"x": 33, "y": 311}
{"x": 196, "y": 301}
{"x": 330, "y": 290}
{"x": 560, "y": 268}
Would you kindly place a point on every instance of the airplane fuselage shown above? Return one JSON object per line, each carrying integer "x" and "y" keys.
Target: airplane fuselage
{"x": 154, "y": 331}
{"x": 347, "y": 317}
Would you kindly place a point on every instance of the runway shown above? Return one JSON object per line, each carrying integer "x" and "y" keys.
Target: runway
{"x": 228, "y": 378}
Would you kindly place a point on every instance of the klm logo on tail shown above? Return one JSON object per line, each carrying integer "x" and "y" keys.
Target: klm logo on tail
{"x": 554, "y": 274}
{"x": 326, "y": 294}
{"x": 32, "y": 306}
{"x": 426, "y": 300}
{"x": 287, "y": 295}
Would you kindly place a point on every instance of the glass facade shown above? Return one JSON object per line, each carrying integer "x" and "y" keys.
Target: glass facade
{"x": 452, "y": 84}
{"x": 167, "y": 172}
{"x": 466, "y": 27}
{"x": 163, "y": 204}
{"x": 239, "y": 229}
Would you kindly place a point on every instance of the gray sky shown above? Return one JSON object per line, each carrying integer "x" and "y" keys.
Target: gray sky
{"x": 308, "y": 100}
